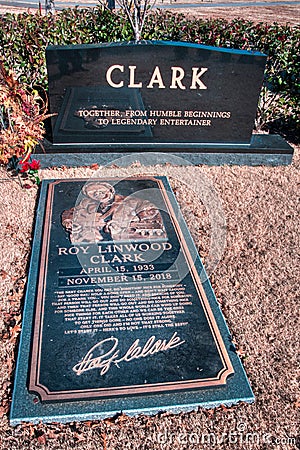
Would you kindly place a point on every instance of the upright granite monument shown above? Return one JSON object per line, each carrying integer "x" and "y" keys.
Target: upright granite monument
{"x": 159, "y": 96}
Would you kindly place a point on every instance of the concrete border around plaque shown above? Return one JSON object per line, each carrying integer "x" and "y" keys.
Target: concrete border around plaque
{"x": 174, "y": 382}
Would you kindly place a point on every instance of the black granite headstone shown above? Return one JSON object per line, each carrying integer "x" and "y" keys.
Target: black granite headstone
{"x": 116, "y": 315}
{"x": 158, "y": 96}
{"x": 157, "y": 93}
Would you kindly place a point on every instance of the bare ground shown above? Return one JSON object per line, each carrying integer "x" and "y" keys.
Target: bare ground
{"x": 276, "y": 12}
{"x": 269, "y": 13}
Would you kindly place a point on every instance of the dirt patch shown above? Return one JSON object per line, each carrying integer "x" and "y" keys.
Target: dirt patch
{"x": 255, "y": 11}
{"x": 279, "y": 13}
{"x": 267, "y": 14}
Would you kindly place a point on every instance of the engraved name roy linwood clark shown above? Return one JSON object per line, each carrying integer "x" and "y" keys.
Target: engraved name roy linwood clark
{"x": 112, "y": 356}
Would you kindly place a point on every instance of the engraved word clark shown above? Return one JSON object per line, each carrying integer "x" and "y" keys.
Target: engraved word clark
{"x": 178, "y": 76}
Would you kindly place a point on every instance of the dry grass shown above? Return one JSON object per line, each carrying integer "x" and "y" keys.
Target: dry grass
{"x": 256, "y": 282}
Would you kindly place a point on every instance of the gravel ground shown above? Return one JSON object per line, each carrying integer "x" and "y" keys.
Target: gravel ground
{"x": 255, "y": 281}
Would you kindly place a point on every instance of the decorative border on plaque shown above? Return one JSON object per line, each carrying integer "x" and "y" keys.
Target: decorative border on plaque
{"x": 46, "y": 395}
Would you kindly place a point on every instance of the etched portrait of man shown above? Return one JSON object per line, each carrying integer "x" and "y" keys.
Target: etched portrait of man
{"x": 102, "y": 212}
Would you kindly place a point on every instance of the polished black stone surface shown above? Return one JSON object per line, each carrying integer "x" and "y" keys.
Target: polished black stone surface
{"x": 71, "y": 320}
{"x": 120, "y": 307}
{"x": 153, "y": 93}
{"x": 79, "y": 115}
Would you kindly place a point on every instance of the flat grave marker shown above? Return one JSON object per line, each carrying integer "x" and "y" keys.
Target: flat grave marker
{"x": 116, "y": 316}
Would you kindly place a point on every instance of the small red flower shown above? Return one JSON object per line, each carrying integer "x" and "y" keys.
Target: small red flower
{"x": 25, "y": 167}
{"x": 34, "y": 165}
{"x": 26, "y": 108}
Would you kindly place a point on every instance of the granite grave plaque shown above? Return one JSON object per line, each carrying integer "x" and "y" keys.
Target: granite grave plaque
{"x": 116, "y": 316}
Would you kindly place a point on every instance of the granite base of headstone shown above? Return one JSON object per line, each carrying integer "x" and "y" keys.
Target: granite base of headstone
{"x": 265, "y": 149}
{"x": 119, "y": 314}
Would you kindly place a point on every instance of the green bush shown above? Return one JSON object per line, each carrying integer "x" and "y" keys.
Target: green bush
{"x": 23, "y": 38}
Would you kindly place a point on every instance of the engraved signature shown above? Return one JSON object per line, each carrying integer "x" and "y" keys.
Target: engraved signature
{"x": 109, "y": 354}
